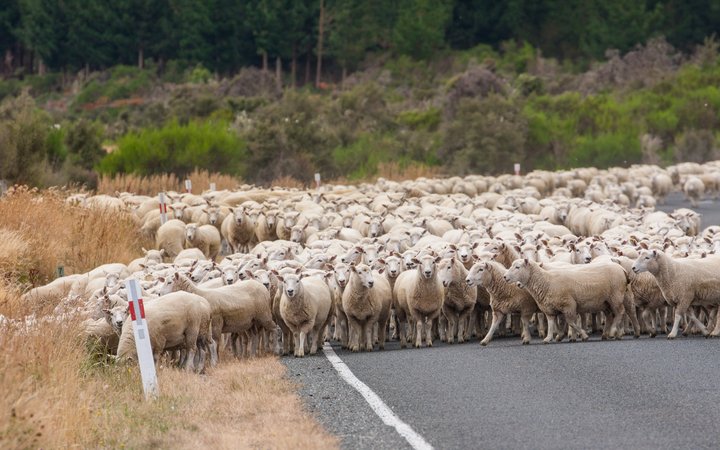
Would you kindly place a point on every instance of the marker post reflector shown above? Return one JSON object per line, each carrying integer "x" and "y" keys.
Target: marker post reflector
{"x": 163, "y": 208}
{"x": 317, "y": 180}
{"x": 517, "y": 168}
{"x": 142, "y": 340}
{"x": 188, "y": 186}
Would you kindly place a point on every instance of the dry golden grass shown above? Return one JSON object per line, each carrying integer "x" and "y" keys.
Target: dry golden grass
{"x": 151, "y": 185}
{"x": 395, "y": 172}
{"x": 39, "y": 231}
{"x": 58, "y": 394}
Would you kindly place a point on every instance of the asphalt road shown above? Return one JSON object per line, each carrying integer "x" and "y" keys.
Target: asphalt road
{"x": 639, "y": 394}
{"x": 710, "y": 209}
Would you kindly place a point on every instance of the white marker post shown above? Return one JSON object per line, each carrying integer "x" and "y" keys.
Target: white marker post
{"x": 517, "y": 168}
{"x": 188, "y": 185}
{"x": 142, "y": 340}
{"x": 163, "y": 208}
{"x": 212, "y": 186}
{"x": 317, "y": 180}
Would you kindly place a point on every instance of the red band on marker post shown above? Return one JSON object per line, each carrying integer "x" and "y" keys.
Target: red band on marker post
{"x": 132, "y": 311}
{"x": 142, "y": 308}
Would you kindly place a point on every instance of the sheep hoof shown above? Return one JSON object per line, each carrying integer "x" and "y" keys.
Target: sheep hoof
{"x": 483, "y": 343}
{"x": 652, "y": 335}
{"x": 636, "y": 336}
{"x": 671, "y": 337}
{"x": 525, "y": 342}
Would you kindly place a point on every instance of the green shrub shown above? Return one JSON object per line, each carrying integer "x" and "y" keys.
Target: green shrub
{"x": 199, "y": 74}
{"x": 360, "y": 159}
{"x": 428, "y": 119}
{"x": 605, "y": 150}
{"x": 178, "y": 149}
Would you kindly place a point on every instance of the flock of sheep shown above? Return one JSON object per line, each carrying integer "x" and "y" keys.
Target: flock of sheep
{"x": 550, "y": 253}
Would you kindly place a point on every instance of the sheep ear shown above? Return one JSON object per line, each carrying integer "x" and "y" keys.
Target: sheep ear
{"x": 161, "y": 279}
{"x": 644, "y": 245}
{"x": 415, "y": 261}
{"x": 282, "y": 280}
{"x": 526, "y": 262}
{"x": 298, "y": 271}
{"x": 162, "y": 252}
{"x": 438, "y": 259}
{"x": 177, "y": 275}
{"x": 143, "y": 250}
{"x": 517, "y": 248}
{"x": 654, "y": 253}
{"x": 249, "y": 274}
{"x": 476, "y": 245}
{"x": 452, "y": 246}
{"x": 381, "y": 261}
{"x": 381, "y": 270}
{"x": 332, "y": 258}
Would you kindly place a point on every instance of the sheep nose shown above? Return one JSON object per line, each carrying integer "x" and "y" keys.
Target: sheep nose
{"x": 428, "y": 273}
{"x": 290, "y": 292}
{"x": 506, "y": 278}
{"x": 469, "y": 282}
{"x": 371, "y": 283}
{"x": 393, "y": 271}
{"x": 588, "y": 259}
{"x": 267, "y": 285}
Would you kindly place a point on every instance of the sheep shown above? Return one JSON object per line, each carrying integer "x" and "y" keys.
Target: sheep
{"x": 171, "y": 237}
{"x": 419, "y": 293}
{"x": 694, "y": 189}
{"x": 459, "y": 301}
{"x": 204, "y": 237}
{"x": 505, "y": 298}
{"x": 151, "y": 257}
{"x": 684, "y": 282}
{"x": 238, "y": 230}
{"x": 366, "y": 301}
{"x": 58, "y": 288}
{"x": 662, "y": 184}
{"x": 306, "y": 308}
{"x": 235, "y": 308}
{"x": 585, "y": 289}
{"x": 646, "y": 293}
{"x": 176, "y": 321}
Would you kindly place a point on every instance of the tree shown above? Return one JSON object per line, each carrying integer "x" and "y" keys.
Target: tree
{"x": 420, "y": 28}
{"x": 43, "y": 25}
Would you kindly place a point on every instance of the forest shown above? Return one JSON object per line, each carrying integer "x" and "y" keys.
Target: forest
{"x": 273, "y": 88}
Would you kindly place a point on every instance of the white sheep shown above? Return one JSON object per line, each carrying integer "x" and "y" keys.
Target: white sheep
{"x": 419, "y": 293}
{"x": 694, "y": 189}
{"x": 175, "y": 321}
{"x": 684, "y": 282}
{"x": 460, "y": 299}
{"x": 366, "y": 301}
{"x": 204, "y": 237}
{"x": 588, "y": 288}
{"x": 238, "y": 230}
{"x": 171, "y": 237}
{"x": 306, "y": 308}
{"x": 505, "y": 298}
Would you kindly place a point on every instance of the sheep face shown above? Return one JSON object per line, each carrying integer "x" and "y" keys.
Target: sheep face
{"x": 199, "y": 273}
{"x": 116, "y": 316}
{"x": 476, "y": 274}
{"x": 364, "y": 273}
{"x": 178, "y": 209}
{"x": 581, "y": 254}
{"x": 190, "y": 231}
{"x": 518, "y": 272}
{"x": 352, "y": 256}
{"x": 372, "y": 253}
{"x": 167, "y": 285}
{"x": 229, "y": 275}
{"x": 646, "y": 262}
{"x": 239, "y": 215}
{"x": 278, "y": 255}
{"x": 112, "y": 279}
{"x": 408, "y": 260}
{"x": 213, "y": 215}
{"x": 445, "y": 271}
{"x": 530, "y": 251}
{"x": 293, "y": 286}
{"x": 297, "y": 234}
{"x": 427, "y": 265}
{"x": 270, "y": 219}
{"x": 393, "y": 265}
{"x": 375, "y": 228}
{"x": 464, "y": 253}
{"x": 263, "y": 277}
{"x": 342, "y": 273}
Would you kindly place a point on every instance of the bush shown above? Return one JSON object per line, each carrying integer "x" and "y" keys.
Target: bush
{"x": 695, "y": 146}
{"x": 23, "y": 140}
{"x": 605, "y": 150}
{"x": 486, "y": 136}
{"x": 178, "y": 149}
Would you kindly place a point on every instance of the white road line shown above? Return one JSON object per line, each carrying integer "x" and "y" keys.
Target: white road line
{"x": 381, "y": 409}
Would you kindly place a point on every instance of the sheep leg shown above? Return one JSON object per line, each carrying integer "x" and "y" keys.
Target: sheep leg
{"x": 463, "y": 321}
{"x": 418, "y": 331}
{"x": 442, "y": 325}
{"x": 631, "y": 312}
{"x": 571, "y": 318}
{"x": 649, "y": 322}
{"x": 700, "y": 326}
{"x": 497, "y": 318}
{"x": 676, "y": 325}
{"x": 550, "y": 328}
{"x": 525, "y": 321}
{"x": 716, "y": 329}
{"x": 541, "y": 325}
{"x": 355, "y": 330}
{"x": 315, "y": 337}
{"x": 368, "y": 335}
{"x": 428, "y": 328}
{"x": 299, "y": 339}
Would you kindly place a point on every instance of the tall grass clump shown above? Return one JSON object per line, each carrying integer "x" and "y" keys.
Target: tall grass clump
{"x": 152, "y": 184}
